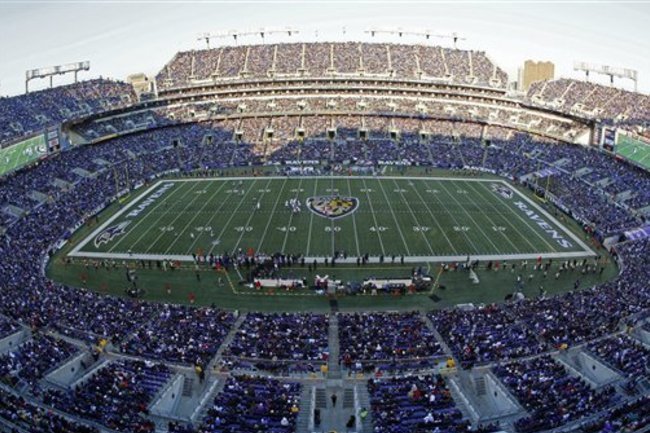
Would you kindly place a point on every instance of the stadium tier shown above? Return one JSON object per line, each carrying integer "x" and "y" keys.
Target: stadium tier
{"x": 330, "y": 59}
{"x": 319, "y": 237}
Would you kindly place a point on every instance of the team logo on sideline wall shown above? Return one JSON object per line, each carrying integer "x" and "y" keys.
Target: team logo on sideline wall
{"x": 333, "y": 207}
{"x": 502, "y": 190}
{"x": 110, "y": 233}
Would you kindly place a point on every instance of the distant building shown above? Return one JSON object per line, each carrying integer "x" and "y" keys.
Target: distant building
{"x": 535, "y": 71}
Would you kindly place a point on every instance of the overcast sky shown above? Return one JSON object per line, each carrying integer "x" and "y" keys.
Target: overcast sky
{"x": 121, "y": 37}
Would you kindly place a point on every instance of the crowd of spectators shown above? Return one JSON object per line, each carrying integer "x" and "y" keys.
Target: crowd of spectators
{"x": 592, "y": 100}
{"x": 624, "y": 354}
{"x": 628, "y": 417}
{"x": 251, "y": 404}
{"x": 116, "y": 396}
{"x": 321, "y": 59}
{"x": 181, "y": 334}
{"x": 281, "y": 337}
{"x": 7, "y": 327}
{"x": 120, "y": 124}
{"x": 35, "y": 419}
{"x": 485, "y": 335}
{"x": 385, "y": 337}
{"x": 31, "y": 360}
{"x": 550, "y": 394}
{"x": 35, "y": 111}
{"x": 414, "y": 404}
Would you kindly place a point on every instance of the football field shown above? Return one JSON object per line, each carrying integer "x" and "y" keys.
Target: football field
{"x": 422, "y": 219}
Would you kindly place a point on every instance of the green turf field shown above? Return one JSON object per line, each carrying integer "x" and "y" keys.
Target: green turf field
{"x": 423, "y": 219}
{"x": 635, "y": 150}
{"x": 21, "y": 154}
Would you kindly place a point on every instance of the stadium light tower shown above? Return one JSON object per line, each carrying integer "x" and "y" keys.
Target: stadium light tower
{"x": 235, "y": 34}
{"x": 610, "y": 71}
{"x": 427, "y": 34}
{"x": 51, "y": 71}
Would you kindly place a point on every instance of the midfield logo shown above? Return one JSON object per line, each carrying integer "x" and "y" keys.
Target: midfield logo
{"x": 110, "y": 233}
{"x": 331, "y": 206}
{"x": 502, "y": 190}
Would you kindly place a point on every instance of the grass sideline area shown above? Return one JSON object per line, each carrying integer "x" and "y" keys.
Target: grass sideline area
{"x": 223, "y": 290}
{"x": 177, "y": 286}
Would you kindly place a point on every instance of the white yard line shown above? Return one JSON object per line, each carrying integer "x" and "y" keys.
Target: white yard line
{"x": 212, "y": 217}
{"x": 331, "y": 220}
{"x": 142, "y": 218}
{"x": 374, "y": 218}
{"x": 551, "y": 218}
{"x": 424, "y": 236}
{"x": 354, "y": 221}
{"x": 449, "y": 179}
{"x": 500, "y": 215}
{"x": 268, "y": 223}
{"x": 444, "y": 232}
{"x": 471, "y": 218}
{"x": 442, "y": 206}
{"x": 176, "y": 218}
{"x": 115, "y": 216}
{"x": 351, "y": 260}
{"x": 399, "y": 229}
{"x": 311, "y": 221}
{"x": 286, "y": 234}
{"x": 200, "y": 212}
{"x": 250, "y": 217}
{"x": 508, "y": 222}
{"x": 232, "y": 215}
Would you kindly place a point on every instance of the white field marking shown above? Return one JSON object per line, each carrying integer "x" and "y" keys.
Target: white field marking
{"x": 424, "y": 236}
{"x": 113, "y": 217}
{"x": 144, "y": 217}
{"x": 286, "y": 234}
{"x": 470, "y": 217}
{"x": 188, "y": 225}
{"x": 332, "y": 237}
{"x": 374, "y": 217}
{"x": 551, "y": 218}
{"x": 467, "y": 179}
{"x": 311, "y": 221}
{"x": 354, "y": 221}
{"x": 268, "y": 223}
{"x": 76, "y": 251}
{"x": 250, "y": 217}
{"x": 213, "y": 216}
{"x": 176, "y": 218}
{"x": 508, "y": 222}
{"x": 442, "y": 206}
{"x": 444, "y": 233}
{"x": 399, "y": 229}
{"x": 520, "y": 217}
{"x": 232, "y": 215}
{"x": 351, "y": 260}
{"x": 487, "y": 216}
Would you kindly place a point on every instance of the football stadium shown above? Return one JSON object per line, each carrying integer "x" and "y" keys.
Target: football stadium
{"x": 379, "y": 229}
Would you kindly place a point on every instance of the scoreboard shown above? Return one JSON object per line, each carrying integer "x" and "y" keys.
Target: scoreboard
{"x": 36, "y": 147}
{"x": 608, "y": 138}
{"x": 53, "y": 140}
{"x": 22, "y": 153}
